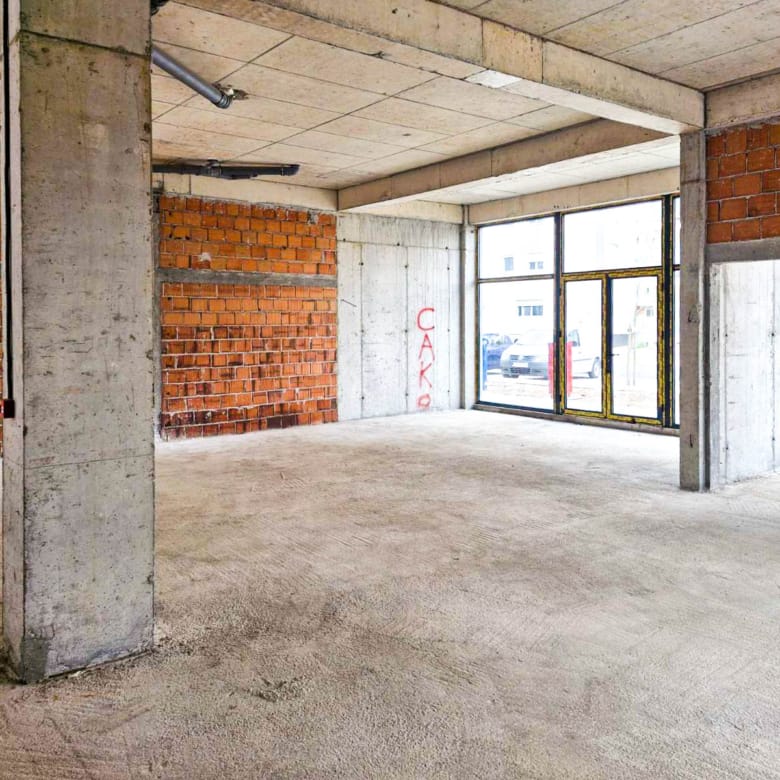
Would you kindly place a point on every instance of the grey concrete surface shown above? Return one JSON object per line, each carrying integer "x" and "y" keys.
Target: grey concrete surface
{"x": 393, "y": 272}
{"x": 449, "y": 595}
{"x": 78, "y": 509}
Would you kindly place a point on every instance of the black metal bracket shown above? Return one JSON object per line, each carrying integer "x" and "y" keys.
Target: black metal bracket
{"x": 217, "y": 170}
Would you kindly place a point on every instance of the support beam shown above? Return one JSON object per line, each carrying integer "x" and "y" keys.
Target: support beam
{"x": 78, "y": 490}
{"x": 750, "y": 101}
{"x": 518, "y": 61}
{"x": 597, "y": 193}
{"x": 694, "y": 314}
{"x": 590, "y": 138}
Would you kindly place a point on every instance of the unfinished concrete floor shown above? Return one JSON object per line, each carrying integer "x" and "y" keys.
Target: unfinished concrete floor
{"x": 465, "y": 595}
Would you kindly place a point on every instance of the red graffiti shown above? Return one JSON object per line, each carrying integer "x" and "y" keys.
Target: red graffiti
{"x": 420, "y": 315}
{"x": 426, "y": 344}
{"x": 426, "y": 356}
{"x": 424, "y": 401}
{"x": 423, "y": 372}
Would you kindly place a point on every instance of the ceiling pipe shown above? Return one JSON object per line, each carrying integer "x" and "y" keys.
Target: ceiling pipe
{"x": 219, "y": 97}
{"x": 216, "y": 170}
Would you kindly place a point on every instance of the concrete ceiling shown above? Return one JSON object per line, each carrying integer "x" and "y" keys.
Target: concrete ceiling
{"x": 345, "y": 116}
{"x": 699, "y": 43}
{"x": 352, "y": 108}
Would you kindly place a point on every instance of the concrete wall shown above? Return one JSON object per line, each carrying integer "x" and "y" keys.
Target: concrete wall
{"x": 745, "y": 383}
{"x": 743, "y": 266}
{"x": 399, "y": 316}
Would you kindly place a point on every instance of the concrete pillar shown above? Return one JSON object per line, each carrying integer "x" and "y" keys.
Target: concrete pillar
{"x": 468, "y": 315}
{"x": 78, "y": 500}
{"x": 694, "y": 366}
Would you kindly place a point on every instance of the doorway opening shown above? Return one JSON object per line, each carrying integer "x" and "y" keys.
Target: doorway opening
{"x": 578, "y": 313}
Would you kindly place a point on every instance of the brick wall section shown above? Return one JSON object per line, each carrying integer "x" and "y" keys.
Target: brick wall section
{"x": 213, "y": 235}
{"x": 743, "y": 184}
{"x": 246, "y": 357}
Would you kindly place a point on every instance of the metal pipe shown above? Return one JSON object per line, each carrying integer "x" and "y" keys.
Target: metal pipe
{"x": 218, "y": 171}
{"x": 180, "y": 71}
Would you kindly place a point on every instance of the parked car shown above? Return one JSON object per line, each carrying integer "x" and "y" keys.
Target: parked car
{"x": 493, "y": 346}
{"x": 530, "y": 354}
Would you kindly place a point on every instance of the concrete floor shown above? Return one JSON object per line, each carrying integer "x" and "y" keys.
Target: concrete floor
{"x": 450, "y": 595}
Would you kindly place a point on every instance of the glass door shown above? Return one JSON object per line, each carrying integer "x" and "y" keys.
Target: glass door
{"x": 634, "y": 357}
{"x": 583, "y": 347}
{"x": 612, "y": 351}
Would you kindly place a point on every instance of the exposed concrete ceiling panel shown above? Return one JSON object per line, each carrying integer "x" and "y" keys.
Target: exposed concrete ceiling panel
{"x": 699, "y": 43}
{"x": 345, "y": 116}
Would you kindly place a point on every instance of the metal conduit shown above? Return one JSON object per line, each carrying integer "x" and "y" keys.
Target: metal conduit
{"x": 180, "y": 71}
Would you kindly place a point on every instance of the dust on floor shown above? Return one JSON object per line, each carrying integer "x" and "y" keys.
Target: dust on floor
{"x": 462, "y": 595}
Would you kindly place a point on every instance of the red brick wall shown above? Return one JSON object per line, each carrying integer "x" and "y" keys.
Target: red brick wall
{"x": 743, "y": 183}
{"x": 222, "y": 236}
{"x": 241, "y": 357}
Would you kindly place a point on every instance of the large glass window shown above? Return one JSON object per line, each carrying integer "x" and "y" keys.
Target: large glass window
{"x": 517, "y": 327}
{"x": 517, "y": 249}
{"x": 618, "y": 237}
{"x": 578, "y": 313}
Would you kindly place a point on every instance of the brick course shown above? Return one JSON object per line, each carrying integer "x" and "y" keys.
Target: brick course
{"x": 743, "y": 184}
{"x": 199, "y": 233}
{"x": 246, "y": 357}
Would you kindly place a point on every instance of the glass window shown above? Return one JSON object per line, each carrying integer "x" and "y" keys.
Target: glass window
{"x": 676, "y": 227}
{"x": 676, "y": 350}
{"x": 616, "y": 237}
{"x": 516, "y": 356}
{"x": 522, "y": 248}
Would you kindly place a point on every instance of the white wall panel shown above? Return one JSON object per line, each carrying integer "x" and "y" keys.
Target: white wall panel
{"x": 350, "y": 320}
{"x": 428, "y": 325}
{"x": 384, "y": 326}
{"x": 391, "y": 270}
{"x": 744, "y": 369}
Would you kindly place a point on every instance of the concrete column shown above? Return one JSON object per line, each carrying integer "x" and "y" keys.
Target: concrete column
{"x": 78, "y": 495}
{"x": 468, "y": 316}
{"x": 694, "y": 367}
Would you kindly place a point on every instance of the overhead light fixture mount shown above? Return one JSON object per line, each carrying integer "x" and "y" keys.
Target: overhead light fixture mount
{"x": 217, "y": 170}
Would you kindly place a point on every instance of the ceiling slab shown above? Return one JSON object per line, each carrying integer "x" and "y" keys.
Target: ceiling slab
{"x": 201, "y": 30}
{"x": 421, "y": 117}
{"x": 347, "y": 105}
{"x": 303, "y": 90}
{"x": 371, "y": 130}
{"x": 474, "y": 99}
{"x": 265, "y": 109}
{"x": 481, "y": 138}
{"x": 329, "y": 142}
{"x": 211, "y": 121}
{"x": 553, "y": 73}
{"x": 698, "y": 43}
{"x": 341, "y": 66}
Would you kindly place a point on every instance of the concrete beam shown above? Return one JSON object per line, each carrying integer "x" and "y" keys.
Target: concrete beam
{"x": 525, "y": 64}
{"x": 590, "y": 138}
{"x": 759, "y": 250}
{"x": 597, "y": 193}
{"x": 749, "y": 101}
